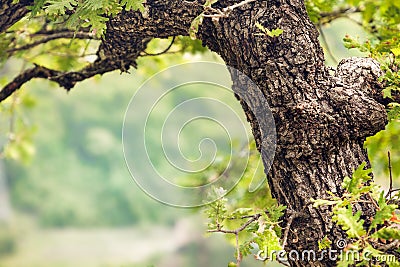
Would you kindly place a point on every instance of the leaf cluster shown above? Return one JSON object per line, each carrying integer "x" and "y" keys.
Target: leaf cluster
{"x": 254, "y": 217}
{"x": 371, "y": 238}
{"x": 84, "y": 13}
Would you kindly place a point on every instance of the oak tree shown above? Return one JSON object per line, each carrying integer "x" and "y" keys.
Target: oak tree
{"x": 322, "y": 116}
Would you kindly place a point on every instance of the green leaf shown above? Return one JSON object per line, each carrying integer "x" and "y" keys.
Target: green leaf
{"x": 194, "y": 27}
{"x": 275, "y": 32}
{"x": 268, "y": 241}
{"x": 275, "y": 212}
{"x": 395, "y": 51}
{"x": 93, "y": 5}
{"x": 36, "y": 8}
{"x": 324, "y": 202}
{"x": 136, "y": 5}
{"x": 325, "y": 243}
{"x": 371, "y": 252}
{"x": 355, "y": 185}
{"x": 208, "y": 3}
{"x": 352, "y": 224}
{"x": 58, "y": 7}
{"x": 387, "y": 233}
{"x": 97, "y": 23}
{"x": 387, "y": 93}
{"x": 384, "y": 212}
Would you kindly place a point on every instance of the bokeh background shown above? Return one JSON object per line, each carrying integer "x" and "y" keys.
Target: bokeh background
{"x": 67, "y": 198}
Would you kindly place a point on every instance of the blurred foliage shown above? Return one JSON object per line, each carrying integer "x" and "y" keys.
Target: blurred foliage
{"x": 76, "y": 163}
{"x": 378, "y": 147}
{"x": 249, "y": 218}
{"x": 7, "y": 239}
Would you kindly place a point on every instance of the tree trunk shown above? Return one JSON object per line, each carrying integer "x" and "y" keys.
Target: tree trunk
{"x": 321, "y": 120}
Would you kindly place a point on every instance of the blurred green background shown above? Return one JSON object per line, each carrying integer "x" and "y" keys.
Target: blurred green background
{"x": 67, "y": 198}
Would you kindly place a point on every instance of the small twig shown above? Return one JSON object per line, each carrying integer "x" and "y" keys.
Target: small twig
{"x": 244, "y": 217}
{"x": 238, "y": 230}
{"x": 339, "y": 13}
{"x": 225, "y": 11}
{"x": 372, "y": 200}
{"x": 293, "y": 215}
{"x": 236, "y": 233}
{"x": 238, "y": 258}
{"x": 328, "y": 49}
{"x": 389, "y": 246}
{"x": 230, "y": 8}
{"x": 163, "y": 52}
{"x": 77, "y": 35}
{"x": 389, "y": 193}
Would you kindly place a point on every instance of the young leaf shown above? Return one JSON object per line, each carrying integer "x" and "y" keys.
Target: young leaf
{"x": 133, "y": 5}
{"x": 210, "y": 2}
{"x": 268, "y": 241}
{"x": 384, "y": 213}
{"x": 275, "y": 32}
{"x": 57, "y": 7}
{"x": 194, "y": 27}
{"x": 261, "y": 27}
{"x": 387, "y": 233}
{"x": 324, "y": 202}
{"x": 325, "y": 243}
{"x": 359, "y": 177}
{"x": 352, "y": 224}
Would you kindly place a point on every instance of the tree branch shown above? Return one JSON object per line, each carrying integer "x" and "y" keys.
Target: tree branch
{"x": 327, "y": 48}
{"x": 65, "y": 79}
{"x": 293, "y": 215}
{"x": 11, "y": 13}
{"x": 327, "y": 17}
{"x": 162, "y": 52}
{"x": 238, "y": 230}
{"x": 126, "y": 38}
{"x": 65, "y": 34}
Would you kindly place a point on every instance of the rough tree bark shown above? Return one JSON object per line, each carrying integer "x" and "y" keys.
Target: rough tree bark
{"x": 322, "y": 118}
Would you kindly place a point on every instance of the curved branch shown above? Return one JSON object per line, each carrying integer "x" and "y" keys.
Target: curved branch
{"x": 325, "y": 42}
{"x": 238, "y": 230}
{"x": 77, "y": 35}
{"x": 162, "y": 52}
{"x": 328, "y": 17}
{"x": 126, "y": 38}
{"x": 64, "y": 79}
